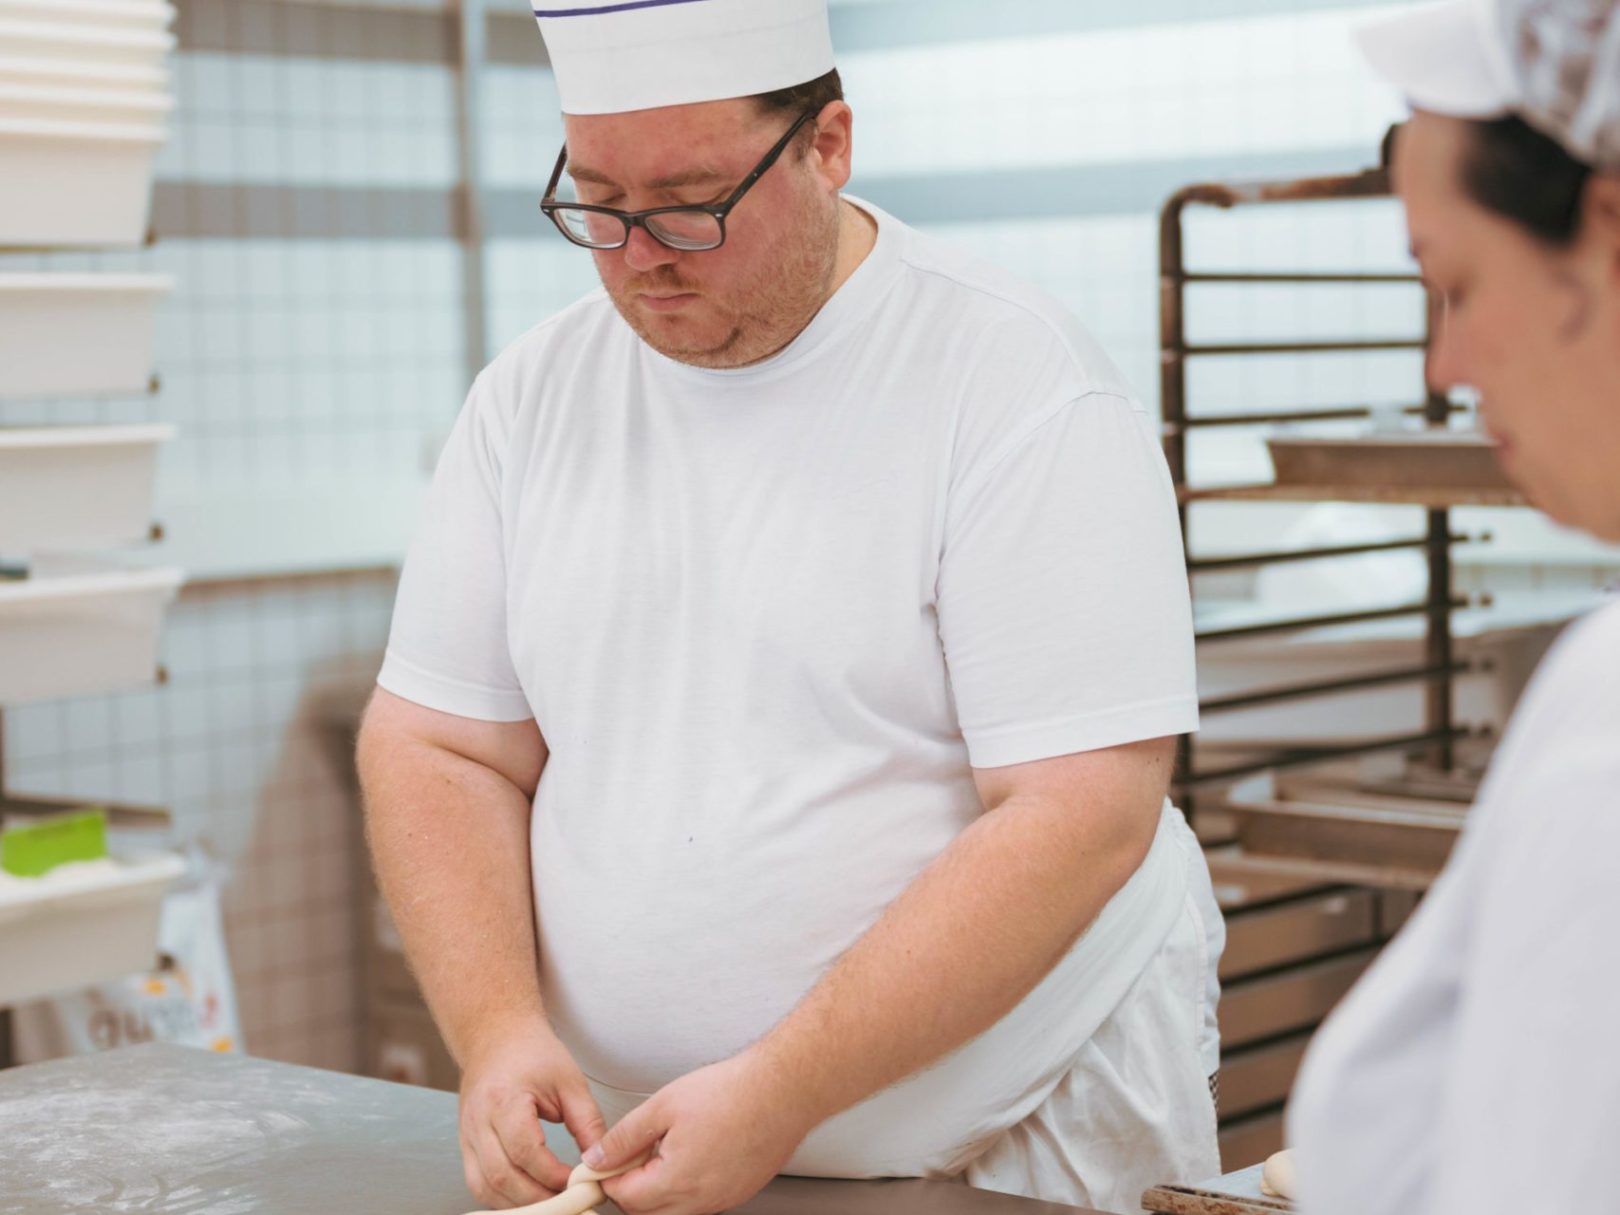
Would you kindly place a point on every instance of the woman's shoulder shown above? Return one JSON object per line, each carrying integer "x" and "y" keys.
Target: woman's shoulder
{"x": 1582, "y": 670}
{"x": 1562, "y": 749}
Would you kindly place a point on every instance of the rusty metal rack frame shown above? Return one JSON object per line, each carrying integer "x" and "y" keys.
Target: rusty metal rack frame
{"x": 1440, "y": 666}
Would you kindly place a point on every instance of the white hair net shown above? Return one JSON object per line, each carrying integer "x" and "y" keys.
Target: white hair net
{"x": 1566, "y": 54}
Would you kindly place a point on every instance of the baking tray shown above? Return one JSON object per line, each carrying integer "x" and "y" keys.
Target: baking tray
{"x": 1289, "y": 1001}
{"x": 1267, "y": 938}
{"x": 1437, "y": 459}
{"x": 1243, "y": 883}
{"x": 1378, "y": 839}
{"x": 1261, "y": 1077}
{"x": 1234, "y": 1194}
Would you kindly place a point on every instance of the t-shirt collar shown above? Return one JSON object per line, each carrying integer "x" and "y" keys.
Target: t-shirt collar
{"x": 858, "y": 293}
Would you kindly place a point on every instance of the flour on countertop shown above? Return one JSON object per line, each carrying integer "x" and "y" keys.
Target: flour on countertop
{"x": 162, "y": 1143}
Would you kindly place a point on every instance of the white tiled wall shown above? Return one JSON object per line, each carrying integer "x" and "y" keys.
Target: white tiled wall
{"x": 288, "y": 121}
{"x": 1150, "y": 93}
{"x": 522, "y": 128}
{"x": 307, "y": 361}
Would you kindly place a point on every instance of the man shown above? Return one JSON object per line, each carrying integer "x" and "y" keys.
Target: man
{"x": 771, "y": 749}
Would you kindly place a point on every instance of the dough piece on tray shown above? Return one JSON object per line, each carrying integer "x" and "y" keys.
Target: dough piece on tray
{"x": 1277, "y": 1178}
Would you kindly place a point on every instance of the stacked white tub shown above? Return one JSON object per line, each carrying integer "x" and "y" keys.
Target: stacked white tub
{"x": 84, "y": 103}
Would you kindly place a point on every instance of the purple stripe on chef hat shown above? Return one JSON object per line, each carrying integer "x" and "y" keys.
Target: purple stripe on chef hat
{"x": 596, "y": 10}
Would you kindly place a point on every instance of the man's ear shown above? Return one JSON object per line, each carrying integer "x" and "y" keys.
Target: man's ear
{"x": 833, "y": 145}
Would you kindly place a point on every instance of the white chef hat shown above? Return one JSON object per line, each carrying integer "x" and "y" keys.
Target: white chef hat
{"x": 1555, "y": 63}
{"x": 610, "y": 56}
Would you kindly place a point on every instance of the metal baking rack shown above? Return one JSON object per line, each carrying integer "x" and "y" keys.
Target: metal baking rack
{"x": 1204, "y": 777}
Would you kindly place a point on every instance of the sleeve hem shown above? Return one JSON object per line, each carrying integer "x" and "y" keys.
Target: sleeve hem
{"x": 1091, "y": 732}
{"x": 445, "y": 695}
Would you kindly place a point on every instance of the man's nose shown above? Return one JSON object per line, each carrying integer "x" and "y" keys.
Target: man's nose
{"x": 643, "y": 253}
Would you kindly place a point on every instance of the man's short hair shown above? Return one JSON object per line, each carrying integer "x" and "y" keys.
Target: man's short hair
{"x": 797, "y": 98}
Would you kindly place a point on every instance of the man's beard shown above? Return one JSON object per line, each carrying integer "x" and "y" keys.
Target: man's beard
{"x": 760, "y": 315}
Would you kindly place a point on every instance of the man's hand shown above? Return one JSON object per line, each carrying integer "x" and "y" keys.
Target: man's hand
{"x": 722, "y": 1132}
{"x": 507, "y": 1086}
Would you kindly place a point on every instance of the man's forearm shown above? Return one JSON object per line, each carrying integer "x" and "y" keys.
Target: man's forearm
{"x": 450, "y": 839}
{"x": 964, "y": 943}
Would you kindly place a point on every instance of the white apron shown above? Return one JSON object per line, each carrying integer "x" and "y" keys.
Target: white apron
{"x": 1091, "y": 1112}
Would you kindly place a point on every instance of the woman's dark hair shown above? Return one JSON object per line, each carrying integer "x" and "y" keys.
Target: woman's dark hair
{"x": 1511, "y": 168}
{"x": 811, "y": 95}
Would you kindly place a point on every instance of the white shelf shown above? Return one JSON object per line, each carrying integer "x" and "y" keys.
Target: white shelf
{"x": 74, "y": 488}
{"x": 88, "y": 183}
{"x": 58, "y": 102}
{"x": 100, "y": 14}
{"x": 77, "y": 334}
{"x": 77, "y": 73}
{"x": 81, "y": 925}
{"x": 81, "y": 633}
{"x": 82, "y": 39}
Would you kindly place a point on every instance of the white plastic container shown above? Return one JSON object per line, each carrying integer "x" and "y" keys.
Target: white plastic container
{"x": 81, "y": 925}
{"x": 84, "y": 40}
{"x": 77, "y": 487}
{"x": 56, "y": 103}
{"x": 104, "y": 14}
{"x": 79, "y": 634}
{"x": 78, "y": 74}
{"x": 75, "y": 183}
{"x": 78, "y": 334}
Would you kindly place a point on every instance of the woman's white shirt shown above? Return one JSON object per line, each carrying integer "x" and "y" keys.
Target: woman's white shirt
{"x": 1476, "y": 1067}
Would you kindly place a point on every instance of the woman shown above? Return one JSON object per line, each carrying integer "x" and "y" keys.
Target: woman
{"x": 1476, "y": 1068}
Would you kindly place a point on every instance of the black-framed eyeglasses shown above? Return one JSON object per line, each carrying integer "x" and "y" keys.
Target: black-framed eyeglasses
{"x": 688, "y": 229}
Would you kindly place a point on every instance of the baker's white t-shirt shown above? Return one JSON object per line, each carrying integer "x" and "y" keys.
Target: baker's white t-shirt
{"x": 767, "y": 618}
{"x": 1475, "y": 1067}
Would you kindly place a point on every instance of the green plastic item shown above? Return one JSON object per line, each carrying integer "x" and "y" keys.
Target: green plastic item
{"x": 29, "y": 851}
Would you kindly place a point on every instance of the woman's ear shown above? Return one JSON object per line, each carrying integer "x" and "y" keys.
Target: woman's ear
{"x": 1600, "y": 217}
